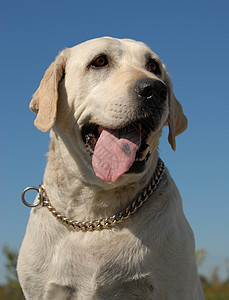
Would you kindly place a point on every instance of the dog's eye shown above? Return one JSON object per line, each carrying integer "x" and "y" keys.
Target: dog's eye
{"x": 100, "y": 61}
{"x": 153, "y": 67}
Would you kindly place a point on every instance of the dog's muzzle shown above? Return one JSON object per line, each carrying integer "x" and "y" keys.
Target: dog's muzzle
{"x": 116, "y": 151}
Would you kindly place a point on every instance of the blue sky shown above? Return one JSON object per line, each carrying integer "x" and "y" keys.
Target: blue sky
{"x": 191, "y": 37}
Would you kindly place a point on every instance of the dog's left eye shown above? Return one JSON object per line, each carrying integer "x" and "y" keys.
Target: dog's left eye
{"x": 100, "y": 61}
{"x": 153, "y": 67}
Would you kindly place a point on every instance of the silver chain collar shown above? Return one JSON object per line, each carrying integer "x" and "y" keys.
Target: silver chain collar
{"x": 103, "y": 223}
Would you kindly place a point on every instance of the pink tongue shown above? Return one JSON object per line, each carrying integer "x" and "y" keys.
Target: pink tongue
{"x": 115, "y": 152}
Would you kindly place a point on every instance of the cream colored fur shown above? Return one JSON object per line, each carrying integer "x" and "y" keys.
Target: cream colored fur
{"x": 149, "y": 256}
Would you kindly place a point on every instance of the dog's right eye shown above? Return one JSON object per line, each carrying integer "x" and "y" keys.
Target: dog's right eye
{"x": 100, "y": 62}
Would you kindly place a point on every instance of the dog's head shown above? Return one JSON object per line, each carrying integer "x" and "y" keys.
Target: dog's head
{"x": 109, "y": 99}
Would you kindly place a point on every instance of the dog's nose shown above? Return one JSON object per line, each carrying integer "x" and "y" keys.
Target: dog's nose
{"x": 147, "y": 89}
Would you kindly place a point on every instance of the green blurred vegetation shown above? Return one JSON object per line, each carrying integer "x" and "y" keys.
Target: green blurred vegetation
{"x": 11, "y": 290}
{"x": 214, "y": 289}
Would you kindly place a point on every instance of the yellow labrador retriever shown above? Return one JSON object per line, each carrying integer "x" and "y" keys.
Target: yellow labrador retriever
{"x": 110, "y": 223}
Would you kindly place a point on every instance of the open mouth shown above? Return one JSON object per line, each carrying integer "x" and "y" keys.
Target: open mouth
{"x": 117, "y": 151}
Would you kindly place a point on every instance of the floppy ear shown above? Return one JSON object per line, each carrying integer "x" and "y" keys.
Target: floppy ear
{"x": 177, "y": 120}
{"x": 44, "y": 101}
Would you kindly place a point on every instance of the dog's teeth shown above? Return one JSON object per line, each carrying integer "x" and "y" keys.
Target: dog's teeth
{"x": 100, "y": 128}
{"x": 144, "y": 153}
{"x": 90, "y": 143}
{"x": 141, "y": 156}
{"x": 140, "y": 159}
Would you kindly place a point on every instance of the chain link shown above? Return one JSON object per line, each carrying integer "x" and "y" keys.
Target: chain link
{"x": 112, "y": 220}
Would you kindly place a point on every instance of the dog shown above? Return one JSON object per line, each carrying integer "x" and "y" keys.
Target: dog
{"x": 122, "y": 233}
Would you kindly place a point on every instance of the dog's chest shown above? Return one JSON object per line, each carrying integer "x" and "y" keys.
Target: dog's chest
{"x": 92, "y": 260}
